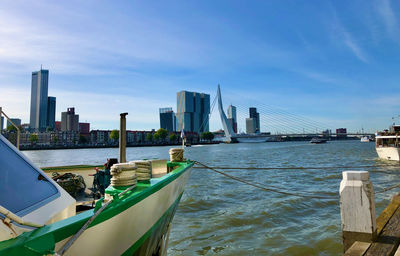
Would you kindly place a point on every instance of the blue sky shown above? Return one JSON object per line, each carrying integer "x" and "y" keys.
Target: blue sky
{"x": 335, "y": 62}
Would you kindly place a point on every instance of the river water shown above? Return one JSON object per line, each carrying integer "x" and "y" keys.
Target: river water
{"x": 219, "y": 216}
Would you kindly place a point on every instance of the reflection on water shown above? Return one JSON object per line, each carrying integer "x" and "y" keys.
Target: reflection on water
{"x": 224, "y": 217}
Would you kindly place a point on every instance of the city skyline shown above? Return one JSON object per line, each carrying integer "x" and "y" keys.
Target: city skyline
{"x": 337, "y": 65}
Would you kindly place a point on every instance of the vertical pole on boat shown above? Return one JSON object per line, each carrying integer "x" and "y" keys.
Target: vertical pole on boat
{"x": 357, "y": 208}
{"x": 122, "y": 138}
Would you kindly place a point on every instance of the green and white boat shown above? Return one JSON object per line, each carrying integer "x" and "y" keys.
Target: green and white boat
{"x": 38, "y": 217}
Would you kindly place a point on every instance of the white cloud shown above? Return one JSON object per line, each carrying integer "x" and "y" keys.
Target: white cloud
{"x": 388, "y": 16}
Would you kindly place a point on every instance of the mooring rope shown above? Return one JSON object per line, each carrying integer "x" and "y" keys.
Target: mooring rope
{"x": 261, "y": 186}
{"x": 273, "y": 188}
{"x": 301, "y": 168}
{"x": 387, "y": 189}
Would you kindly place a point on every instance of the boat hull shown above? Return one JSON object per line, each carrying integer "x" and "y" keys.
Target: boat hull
{"x": 388, "y": 153}
{"x": 136, "y": 225}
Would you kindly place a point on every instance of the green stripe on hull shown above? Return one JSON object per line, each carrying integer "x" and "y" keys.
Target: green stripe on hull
{"x": 42, "y": 241}
{"x": 158, "y": 229}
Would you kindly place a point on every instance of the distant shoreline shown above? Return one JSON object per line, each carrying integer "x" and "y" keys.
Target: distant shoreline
{"x": 108, "y": 146}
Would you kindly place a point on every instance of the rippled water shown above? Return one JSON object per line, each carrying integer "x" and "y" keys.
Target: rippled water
{"x": 219, "y": 216}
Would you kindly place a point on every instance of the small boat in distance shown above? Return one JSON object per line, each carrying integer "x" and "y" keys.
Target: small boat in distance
{"x": 317, "y": 140}
{"x": 387, "y": 143}
{"x": 366, "y": 139}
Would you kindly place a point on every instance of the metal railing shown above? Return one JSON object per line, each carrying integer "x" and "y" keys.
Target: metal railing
{"x": 16, "y": 127}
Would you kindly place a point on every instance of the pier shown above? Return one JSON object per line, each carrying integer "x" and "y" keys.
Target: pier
{"x": 363, "y": 233}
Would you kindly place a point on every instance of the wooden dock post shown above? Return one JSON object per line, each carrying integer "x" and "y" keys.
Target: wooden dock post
{"x": 357, "y": 208}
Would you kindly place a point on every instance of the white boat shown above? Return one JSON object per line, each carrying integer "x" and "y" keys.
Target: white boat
{"x": 366, "y": 139}
{"x": 39, "y": 217}
{"x": 387, "y": 143}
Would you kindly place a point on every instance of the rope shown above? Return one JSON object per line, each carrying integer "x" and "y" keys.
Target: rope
{"x": 274, "y": 188}
{"x": 70, "y": 242}
{"x": 297, "y": 168}
{"x": 261, "y": 186}
{"x": 388, "y": 189}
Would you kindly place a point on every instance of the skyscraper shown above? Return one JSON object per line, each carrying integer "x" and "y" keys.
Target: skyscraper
{"x": 193, "y": 111}
{"x": 232, "y": 117}
{"x": 69, "y": 121}
{"x": 256, "y": 116}
{"x": 167, "y": 119}
{"x": 51, "y": 112}
{"x": 39, "y": 100}
{"x": 250, "y": 125}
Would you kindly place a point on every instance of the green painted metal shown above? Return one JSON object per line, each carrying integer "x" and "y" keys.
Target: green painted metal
{"x": 42, "y": 241}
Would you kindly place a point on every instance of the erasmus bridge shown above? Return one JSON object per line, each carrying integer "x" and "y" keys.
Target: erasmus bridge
{"x": 276, "y": 123}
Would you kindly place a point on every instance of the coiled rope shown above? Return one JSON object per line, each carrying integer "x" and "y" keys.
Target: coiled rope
{"x": 275, "y": 189}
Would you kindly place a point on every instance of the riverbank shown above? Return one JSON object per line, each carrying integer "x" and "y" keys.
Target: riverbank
{"x": 55, "y": 147}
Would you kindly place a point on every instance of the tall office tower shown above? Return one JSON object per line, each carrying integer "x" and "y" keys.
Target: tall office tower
{"x": 16, "y": 121}
{"x": 167, "y": 119}
{"x": 250, "y": 125}
{"x": 69, "y": 121}
{"x": 193, "y": 110}
{"x": 39, "y": 101}
{"x": 51, "y": 112}
{"x": 254, "y": 114}
{"x": 232, "y": 117}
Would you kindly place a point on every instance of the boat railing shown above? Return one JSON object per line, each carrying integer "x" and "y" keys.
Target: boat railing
{"x": 16, "y": 127}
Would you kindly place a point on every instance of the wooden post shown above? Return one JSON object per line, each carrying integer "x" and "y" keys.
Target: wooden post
{"x": 122, "y": 138}
{"x": 357, "y": 208}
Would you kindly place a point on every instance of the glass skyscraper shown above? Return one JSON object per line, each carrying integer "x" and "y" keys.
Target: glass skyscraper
{"x": 43, "y": 108}
{"x": 39, "y": 100}
{"x": 256, "y": 116}
{"x": 193, "y": 110}
{"x": 167, "y": 119}
{"x": 51, "y": 112}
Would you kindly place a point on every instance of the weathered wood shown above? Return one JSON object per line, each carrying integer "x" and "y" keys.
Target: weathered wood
{"x": 357, "y": 208}
{"x": 387, "y": 213}
{"x": 389, "y": 238}
{"x": 357, "y": 249}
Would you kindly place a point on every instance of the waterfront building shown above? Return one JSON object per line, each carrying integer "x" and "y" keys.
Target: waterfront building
{"x": 232, "y": 117}
{"x": 84, "y": 128}
{"x": 193, "y": 110}
{"x": 69, "y": 121}
{"x": 51, "y": 113}
{"x": 256, "y": 116}
{"x": 39, "y": 99}
{"x": 16, "y": 121}
{"x": 51, "y": 138}
{"x": 58, "y": 125}
{"x": 2, "y": 123}
{"x": 98, "y": 137}
{"x": 167, "y": 119}
{"x": 251, "y": 125}
{"x": 341, "y": 133}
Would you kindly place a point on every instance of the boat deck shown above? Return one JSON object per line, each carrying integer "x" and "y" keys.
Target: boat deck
{"x": 388, "y": 234}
